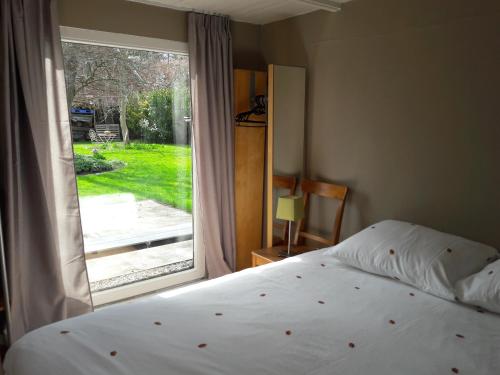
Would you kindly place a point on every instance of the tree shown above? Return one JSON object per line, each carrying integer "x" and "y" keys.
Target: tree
{"x": 107, "y": 77}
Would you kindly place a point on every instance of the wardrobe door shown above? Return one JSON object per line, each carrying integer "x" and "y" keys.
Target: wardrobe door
{"x": 250, "y": 148}
{"x": 249, "y": 176}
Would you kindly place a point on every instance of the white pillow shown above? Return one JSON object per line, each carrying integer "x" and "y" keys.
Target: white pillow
{"x": 482, "y": 289}
{"x": 425, "y": 258}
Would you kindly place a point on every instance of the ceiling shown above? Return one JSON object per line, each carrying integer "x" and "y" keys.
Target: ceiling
{"x": 258, "y": 12}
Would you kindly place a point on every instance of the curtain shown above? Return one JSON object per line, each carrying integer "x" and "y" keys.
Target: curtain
{"x": 211, "y": 70}
{"x": 41, "y": 221}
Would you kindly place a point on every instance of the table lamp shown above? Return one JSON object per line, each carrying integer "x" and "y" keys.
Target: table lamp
{"x": 290, "y": 208}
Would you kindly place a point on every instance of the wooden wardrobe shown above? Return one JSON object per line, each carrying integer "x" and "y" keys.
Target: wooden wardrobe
{"x": 250, "y": 157}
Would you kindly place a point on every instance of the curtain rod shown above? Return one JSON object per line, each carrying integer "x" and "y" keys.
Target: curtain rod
{"x": 209, "y": 13}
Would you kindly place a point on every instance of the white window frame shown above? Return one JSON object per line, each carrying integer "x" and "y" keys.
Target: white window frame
{"x": 103, "y": 38}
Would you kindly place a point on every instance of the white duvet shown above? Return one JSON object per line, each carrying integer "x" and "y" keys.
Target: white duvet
{"x": 306, "y": 315}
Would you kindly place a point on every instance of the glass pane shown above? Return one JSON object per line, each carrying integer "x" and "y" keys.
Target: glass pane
{"x": 130, "y": 119}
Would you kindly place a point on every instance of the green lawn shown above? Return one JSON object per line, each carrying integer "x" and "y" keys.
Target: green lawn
{"x": 152, "y": 171}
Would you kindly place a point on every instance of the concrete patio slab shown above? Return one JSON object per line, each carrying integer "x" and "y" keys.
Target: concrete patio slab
{"x": 127, "y": 268}
{"x": 118, "y": 220}
{"x": 116, "y": 227}
{"x": 119, "y": 265}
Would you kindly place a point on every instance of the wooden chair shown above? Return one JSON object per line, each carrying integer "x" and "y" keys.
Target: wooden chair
{"x": 324, "y": 190}
{"x": 288, "y": 183}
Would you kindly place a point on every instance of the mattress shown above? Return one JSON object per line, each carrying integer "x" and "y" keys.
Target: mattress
{"x": 305, "y": 315}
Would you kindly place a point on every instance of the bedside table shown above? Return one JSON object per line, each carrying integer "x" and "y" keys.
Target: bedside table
{"x": 271, "y": 254}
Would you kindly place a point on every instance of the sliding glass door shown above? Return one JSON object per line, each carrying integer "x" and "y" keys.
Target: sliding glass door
{"x": 130, "y": 118}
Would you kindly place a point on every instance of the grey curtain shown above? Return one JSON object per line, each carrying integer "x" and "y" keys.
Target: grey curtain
{"x": 41, "y": 221}
{"x": 211, "y": 69}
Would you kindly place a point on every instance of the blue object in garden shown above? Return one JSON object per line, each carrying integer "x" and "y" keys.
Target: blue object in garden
{"x": 82, "y": 111}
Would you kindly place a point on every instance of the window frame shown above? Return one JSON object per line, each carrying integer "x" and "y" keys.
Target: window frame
{"x": 109, "y": 39}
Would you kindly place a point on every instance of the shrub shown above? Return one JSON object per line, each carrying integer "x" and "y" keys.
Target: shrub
{"x": 150, "y": 115}
{"x": 142, "y": 146}
{"x": 85, "y": 164}
{"x": 137, "y": 110}
{"x": 97, "y": 155}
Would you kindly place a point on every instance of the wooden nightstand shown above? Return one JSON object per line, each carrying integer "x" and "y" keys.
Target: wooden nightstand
{"x": 271, "y": 254}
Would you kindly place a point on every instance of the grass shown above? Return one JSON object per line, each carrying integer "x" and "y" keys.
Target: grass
{"x": 152, "y": 171}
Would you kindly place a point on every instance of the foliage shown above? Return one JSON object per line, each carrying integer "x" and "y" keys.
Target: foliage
{"x": 137, "y": 110}
{"x": 149, "y": 86}
{"x": 153, "y": 171}
{"x": 97, "y": 155}
{"x": 94, "y": 164}
{"x": 153, "y": 116}
{"x": 100, "y": 73}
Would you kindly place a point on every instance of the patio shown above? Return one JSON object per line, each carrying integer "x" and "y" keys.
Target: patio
{"x": 128, "y": 240}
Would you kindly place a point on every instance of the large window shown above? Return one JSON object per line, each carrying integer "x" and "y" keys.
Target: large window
{"x": 130, "y": 119}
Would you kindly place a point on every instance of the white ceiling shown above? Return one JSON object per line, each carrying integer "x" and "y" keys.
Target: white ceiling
{"x": 253, "y": 11}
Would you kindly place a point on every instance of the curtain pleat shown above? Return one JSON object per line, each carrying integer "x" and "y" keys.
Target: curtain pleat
{"x": 211, "y": 70}
{"x": 38, "y": 195}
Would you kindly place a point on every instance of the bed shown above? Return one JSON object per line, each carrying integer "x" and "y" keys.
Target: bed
{"x": 309, "y": 315}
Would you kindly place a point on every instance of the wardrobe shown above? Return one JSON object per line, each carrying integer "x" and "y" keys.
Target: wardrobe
{"x": 265, "y": 144}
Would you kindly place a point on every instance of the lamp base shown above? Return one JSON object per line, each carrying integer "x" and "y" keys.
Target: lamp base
{"x": 284, "y": 254}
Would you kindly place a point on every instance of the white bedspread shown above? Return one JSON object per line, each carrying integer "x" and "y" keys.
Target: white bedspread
{"x": 306, "y": 315}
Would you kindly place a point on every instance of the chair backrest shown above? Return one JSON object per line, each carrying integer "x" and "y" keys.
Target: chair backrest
{"x": 325, "y": 190}
{"x": 285, "y": 182}
{"x": 288, "y": 183}
{"x": 93, "y": 136}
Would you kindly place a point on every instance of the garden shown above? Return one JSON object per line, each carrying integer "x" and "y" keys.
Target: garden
{"x": 131, "y": 128}
{"x": 159, "y": 172}
{"x": 147, "y": 94}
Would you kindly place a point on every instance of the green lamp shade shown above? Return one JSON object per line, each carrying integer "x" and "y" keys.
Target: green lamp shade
{"x": 290, "y": 208}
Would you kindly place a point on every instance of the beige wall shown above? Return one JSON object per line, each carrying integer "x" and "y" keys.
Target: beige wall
{"x": 403, "y": 101}
{"x": 404, "y": 108}
{"x": 127, "y": 17}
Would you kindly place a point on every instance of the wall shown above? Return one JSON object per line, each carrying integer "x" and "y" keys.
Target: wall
{"x": 403, "y": 107}
{"x": 127, "y": 17}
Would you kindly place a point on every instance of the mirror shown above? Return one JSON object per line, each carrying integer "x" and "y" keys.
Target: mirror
{"x": 285, "y": 142}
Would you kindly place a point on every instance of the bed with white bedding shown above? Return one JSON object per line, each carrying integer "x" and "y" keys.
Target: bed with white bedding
{"x": 309, "y": 315}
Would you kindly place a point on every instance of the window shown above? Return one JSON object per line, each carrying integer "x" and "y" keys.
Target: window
{"x": 130, "y": 116}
